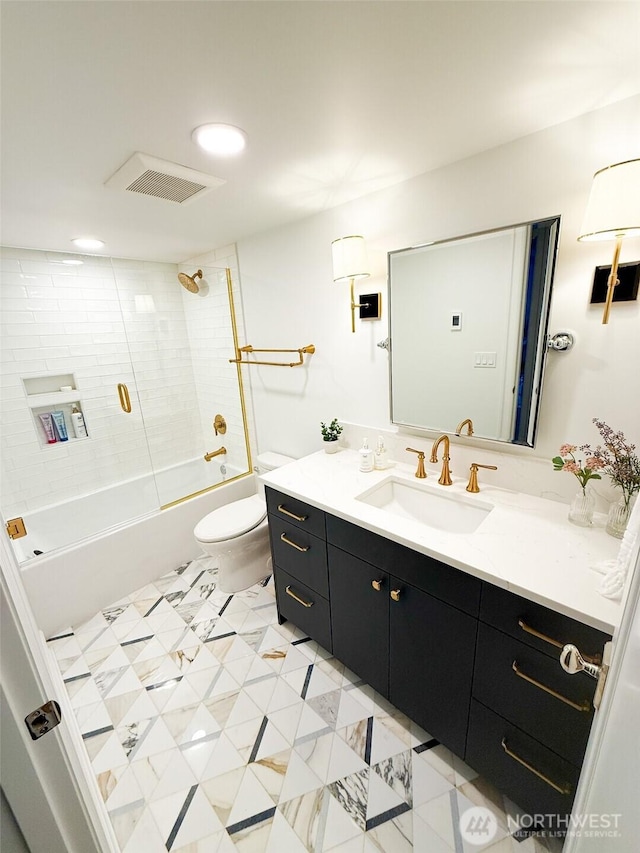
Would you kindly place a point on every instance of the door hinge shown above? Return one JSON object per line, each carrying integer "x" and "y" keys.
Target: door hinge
{"x": 43, "y": 719}
{"x": 16, "y": 528}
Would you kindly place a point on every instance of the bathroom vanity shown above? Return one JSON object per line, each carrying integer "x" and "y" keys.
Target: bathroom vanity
{"x": 459, "y": 630}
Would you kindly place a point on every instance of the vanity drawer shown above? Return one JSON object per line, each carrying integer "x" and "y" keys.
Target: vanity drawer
{"x": 496, "y": 749}
{"x": 444, "y": 582}
{"x": 304, "y": 607}
{"x": 519, "y": 617}
{"x": 296, "y": 512}
{"x": 504, "y": 673}
{"x": 300, "y": 554}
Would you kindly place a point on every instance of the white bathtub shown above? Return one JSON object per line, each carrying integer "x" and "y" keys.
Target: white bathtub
{"x": 82, "y": 571}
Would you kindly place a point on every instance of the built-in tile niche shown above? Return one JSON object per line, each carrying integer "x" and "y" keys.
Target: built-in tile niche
{"x": 54, "y": 392}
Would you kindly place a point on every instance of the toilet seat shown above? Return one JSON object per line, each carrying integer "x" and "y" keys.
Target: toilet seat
{"x": 232, "y": 520}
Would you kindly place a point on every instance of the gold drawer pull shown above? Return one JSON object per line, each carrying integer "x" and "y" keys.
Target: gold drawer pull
{"x": 540, "y": 636}
{"x": 377, "y": 585}
{"x": 123, "y": 394}
{"x": 585, "y": 705}
{"x": 283, "y": 538}
{"x": 291, "y": 515}
{"x": 297, "y": 598}
{"x": 564, "y": 788}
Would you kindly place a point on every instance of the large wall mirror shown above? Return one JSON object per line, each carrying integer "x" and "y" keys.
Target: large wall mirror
{"x": 469, "y": 329}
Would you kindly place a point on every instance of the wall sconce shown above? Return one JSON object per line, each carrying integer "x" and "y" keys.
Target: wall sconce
{"x": 613, "y": 212}
{"x": 349, "y": 263}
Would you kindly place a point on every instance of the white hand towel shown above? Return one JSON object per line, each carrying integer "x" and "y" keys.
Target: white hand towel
{"x": 613, "y": 582}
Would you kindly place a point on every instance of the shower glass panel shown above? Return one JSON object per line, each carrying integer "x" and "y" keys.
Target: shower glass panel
{"x": 143, "y": 361}
{"x": 64, "y": 349}
{"x": 180, "y": 341}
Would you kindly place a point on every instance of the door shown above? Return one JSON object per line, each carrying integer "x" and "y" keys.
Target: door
{"x": 607, "y": 794}
{"x": 43, "y": 780}
{"x": 432, "y": 649}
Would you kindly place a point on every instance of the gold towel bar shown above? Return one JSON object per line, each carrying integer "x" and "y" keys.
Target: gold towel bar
{"x": 308, "y": 350}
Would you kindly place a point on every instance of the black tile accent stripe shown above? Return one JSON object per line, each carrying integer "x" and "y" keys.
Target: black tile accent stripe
{"x": 96, "y": 732}
{"x": 422, "y": 747}
{"x": 256, "y": 745}
{"x": 251, "y": 821}
{"x": 197, "y": 579}
{"x": 139, "y": 640}
{"x": 225, "y": 605}
{"x": 303, "y": 640}
{"x": 77, "y": 677}
{"x": 367, "y": 748}
{"x": 181, "y": 817}
{"x": 385, "y": 816}
{"x": 60, "y": 637}
{"x": 151, "y": 609}
{"x": 221, "y": 636}
{"x": 307, "y": 679}
{"x": 165, "y": 683}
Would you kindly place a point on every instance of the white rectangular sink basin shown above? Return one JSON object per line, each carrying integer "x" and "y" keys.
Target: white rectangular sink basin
{"x": 421, "y": 503}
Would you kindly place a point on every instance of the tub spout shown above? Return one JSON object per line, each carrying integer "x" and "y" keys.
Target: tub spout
{"x": 209, "y": 456}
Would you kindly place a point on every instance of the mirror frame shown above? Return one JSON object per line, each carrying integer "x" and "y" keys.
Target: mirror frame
{"x": 536, "y": 305}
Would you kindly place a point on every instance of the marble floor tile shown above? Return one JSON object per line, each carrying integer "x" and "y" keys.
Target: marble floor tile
{"x": 210, "y": 728}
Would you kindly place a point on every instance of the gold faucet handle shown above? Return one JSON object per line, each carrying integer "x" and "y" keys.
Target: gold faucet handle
{"x": 420, "y": 473}
{"x": 473, "y": 486}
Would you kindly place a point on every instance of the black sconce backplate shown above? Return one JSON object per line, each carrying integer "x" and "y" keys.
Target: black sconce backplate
{"x": 626, "y": 291}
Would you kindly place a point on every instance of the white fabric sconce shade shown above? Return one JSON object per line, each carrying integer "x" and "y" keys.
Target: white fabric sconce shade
{"x": 349, "y": 258}
{"x": 613, "y": 212}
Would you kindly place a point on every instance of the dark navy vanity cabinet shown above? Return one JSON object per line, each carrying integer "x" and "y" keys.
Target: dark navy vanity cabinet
{"x": 473, "y": 664}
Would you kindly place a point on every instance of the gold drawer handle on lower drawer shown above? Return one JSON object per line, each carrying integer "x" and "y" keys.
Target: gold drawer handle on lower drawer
{"x": 585, "y": 705}
{"x": 303, "y": 548}
{"x": 564, "y": 788}
{"x": 291, "y": 515}
{"x": 297, "y": 598}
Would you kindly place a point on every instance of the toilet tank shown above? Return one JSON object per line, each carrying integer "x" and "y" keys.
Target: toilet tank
{"x": 269, "y": 460}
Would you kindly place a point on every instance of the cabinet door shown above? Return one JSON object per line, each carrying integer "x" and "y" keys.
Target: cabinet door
{"x": 360, "y": 617}
{"x": 432, "y": 648}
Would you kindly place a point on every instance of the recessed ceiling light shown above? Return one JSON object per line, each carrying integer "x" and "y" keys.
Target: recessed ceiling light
{"x": 88, "y": 243}
{"x": 224, "y": 140}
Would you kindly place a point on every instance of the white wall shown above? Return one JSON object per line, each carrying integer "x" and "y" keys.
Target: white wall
{"x": 290, "y": 299}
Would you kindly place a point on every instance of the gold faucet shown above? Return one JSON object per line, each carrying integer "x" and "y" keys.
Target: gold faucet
{"x": 445, "y": 476}
{"x": 209, "y": 456}
{"x": 420, "y": 473}
{"x": 473, "y": 476}
{"x": 468, "y": 423}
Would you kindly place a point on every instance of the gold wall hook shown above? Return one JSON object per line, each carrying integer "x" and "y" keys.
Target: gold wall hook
{"x": 219, "y": 425}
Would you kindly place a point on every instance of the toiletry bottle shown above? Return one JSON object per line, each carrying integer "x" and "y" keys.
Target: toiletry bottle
{"x": 380, "y": 455}
{"x": 47, "y": 425}
{"x": 60, "y": 426}
{"x": 366, "y": 456}
{"x": 78, "y": 424}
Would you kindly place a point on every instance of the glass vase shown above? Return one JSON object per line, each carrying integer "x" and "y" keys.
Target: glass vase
{"x": 618, "y": 517}
{"x": 581, "y": 509}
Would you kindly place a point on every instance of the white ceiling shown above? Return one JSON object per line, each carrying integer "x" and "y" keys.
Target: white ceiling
{"x": 338, "y": 99}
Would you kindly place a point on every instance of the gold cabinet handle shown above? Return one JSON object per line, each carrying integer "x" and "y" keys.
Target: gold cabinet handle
{"x": 529, "y": 630}
{"x": 125, "y": 400}
{"x": 377, "y": 585}
{"x": 585, "y": 705}
{"x": 297, "y": 598}
{"x": 395, "y": 594}
{"x": 563, "y": 788}
{"x": 291, "y": 515}
{"x": 283, "y": 538}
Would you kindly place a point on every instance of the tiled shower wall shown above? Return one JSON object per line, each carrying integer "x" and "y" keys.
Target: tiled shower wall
{"x": 60, "y": 319}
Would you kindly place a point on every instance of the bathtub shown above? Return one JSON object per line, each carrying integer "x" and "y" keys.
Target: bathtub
{"x": 81, "y": 571}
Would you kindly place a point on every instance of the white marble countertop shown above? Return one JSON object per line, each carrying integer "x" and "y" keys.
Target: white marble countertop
{"x": 525, "y": 544}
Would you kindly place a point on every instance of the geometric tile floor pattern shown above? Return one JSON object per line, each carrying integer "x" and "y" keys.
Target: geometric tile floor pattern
{"x": 212, "y": 729}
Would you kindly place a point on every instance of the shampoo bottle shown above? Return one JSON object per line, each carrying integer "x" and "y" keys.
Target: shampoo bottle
{"x": 366, "y": 456}
{"x": 78, "y": 424}
{"x": 380, "y": 455}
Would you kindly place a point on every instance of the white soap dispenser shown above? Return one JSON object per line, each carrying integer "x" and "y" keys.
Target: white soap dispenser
{"x": 380, "y": 455}
{"x": 366, "y": 456}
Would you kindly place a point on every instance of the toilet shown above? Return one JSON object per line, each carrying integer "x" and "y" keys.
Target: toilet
{"x": 237, "y": 535}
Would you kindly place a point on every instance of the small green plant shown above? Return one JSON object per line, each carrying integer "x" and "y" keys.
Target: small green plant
{"x": 331, "y": 432}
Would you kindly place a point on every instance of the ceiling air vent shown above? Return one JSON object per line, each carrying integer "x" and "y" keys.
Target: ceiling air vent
{"x": 162, "y": 179}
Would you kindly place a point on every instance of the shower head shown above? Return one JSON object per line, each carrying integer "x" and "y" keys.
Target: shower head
{"x": 189, "y": 281}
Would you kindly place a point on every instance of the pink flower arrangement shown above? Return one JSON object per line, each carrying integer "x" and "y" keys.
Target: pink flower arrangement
{"x": 617, "y": 458}
{"x": 583, "y": 471}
